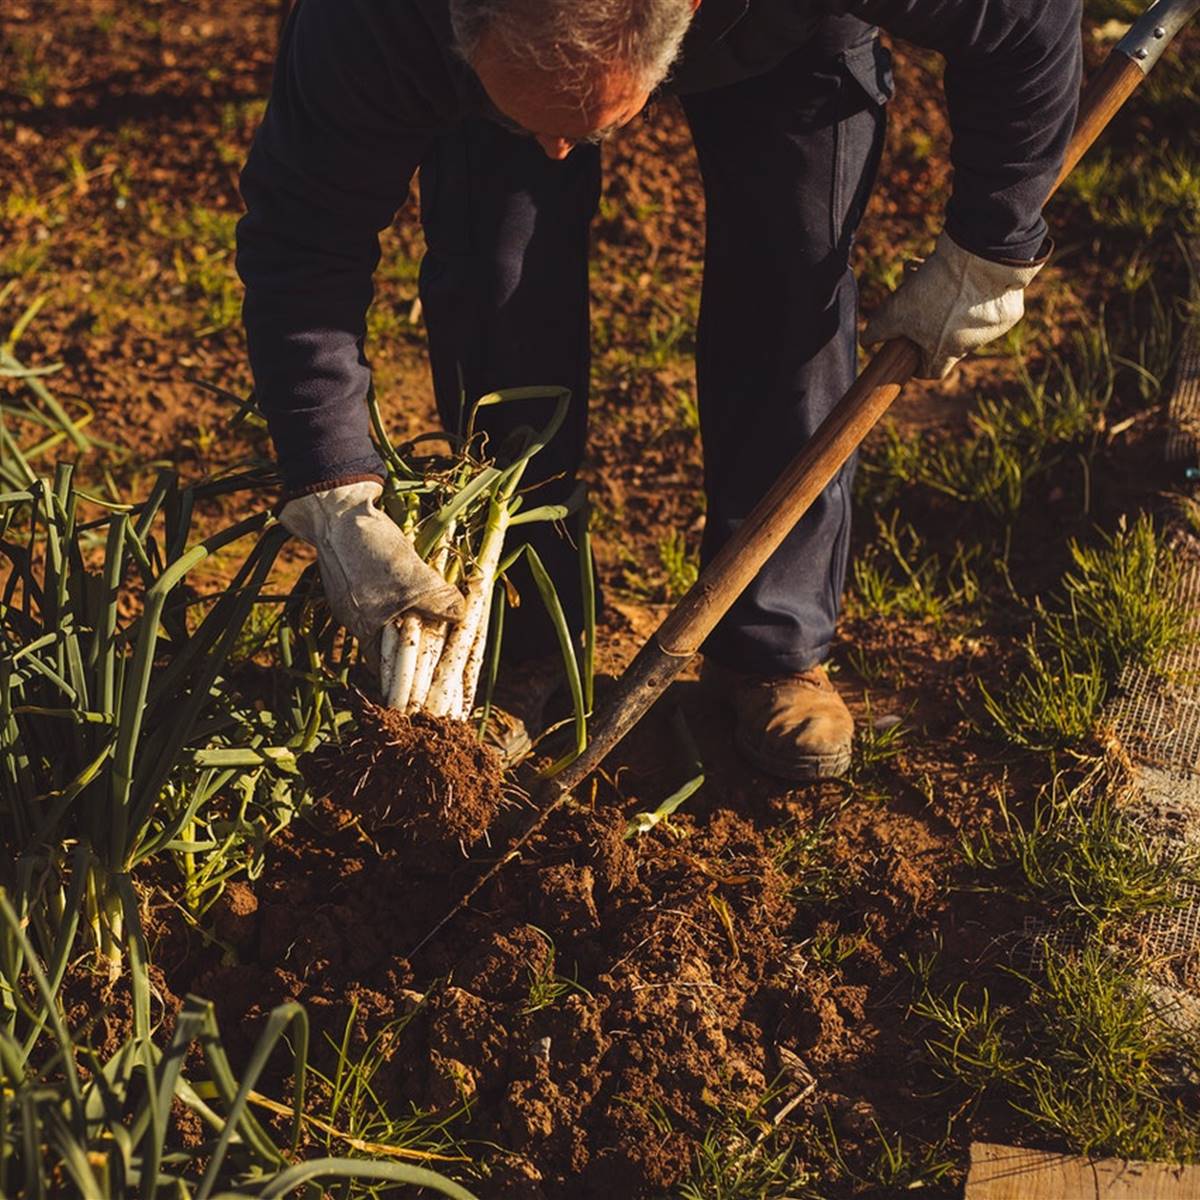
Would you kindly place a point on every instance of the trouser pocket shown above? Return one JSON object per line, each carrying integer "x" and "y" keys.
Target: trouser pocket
{"x": 867, "y": 86}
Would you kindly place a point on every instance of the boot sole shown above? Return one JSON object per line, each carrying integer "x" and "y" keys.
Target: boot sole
{"x": 804, "y": 769}
{"x": 512, "y": 742}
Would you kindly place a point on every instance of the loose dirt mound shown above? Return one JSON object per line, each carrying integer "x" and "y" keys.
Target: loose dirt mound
{"x": 426, "y": 777}
{"x": 594, "y": 1006}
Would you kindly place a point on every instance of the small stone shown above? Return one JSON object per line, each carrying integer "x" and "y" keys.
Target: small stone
{"x": 408, "y": 1001}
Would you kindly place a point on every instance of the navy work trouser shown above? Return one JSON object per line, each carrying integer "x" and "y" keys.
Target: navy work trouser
{"x": 788, "y": 159}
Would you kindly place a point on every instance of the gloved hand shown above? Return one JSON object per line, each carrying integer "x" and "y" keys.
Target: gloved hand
{"x": 369, "y": 569}
{"x": 951, "y": 303}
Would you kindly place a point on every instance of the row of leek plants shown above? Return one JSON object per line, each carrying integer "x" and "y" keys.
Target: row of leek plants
{"x": 118, "y": 724}
{"x": 77, "y": 1123}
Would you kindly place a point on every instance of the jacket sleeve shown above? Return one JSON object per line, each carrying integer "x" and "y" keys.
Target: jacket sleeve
{"x": 1012, "y": 88}
{"x": 330, "y": 165}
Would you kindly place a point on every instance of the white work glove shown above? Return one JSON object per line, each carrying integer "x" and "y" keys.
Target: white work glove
{"x": 369, "y": 569}
{"x": 951, "y": 303}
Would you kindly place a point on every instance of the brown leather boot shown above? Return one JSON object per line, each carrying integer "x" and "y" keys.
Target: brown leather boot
{"x": 794, "y": 727}
{"x": 518, "y": 714}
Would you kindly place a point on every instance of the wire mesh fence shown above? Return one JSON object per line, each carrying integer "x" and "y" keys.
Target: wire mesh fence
{"x": 1155, "y": 714}
{"x": 1153, "y": 722}
{"x": 1183, "y": 408}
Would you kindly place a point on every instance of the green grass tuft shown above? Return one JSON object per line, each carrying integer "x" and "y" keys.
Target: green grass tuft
{"x": 1054, "y": 701}
{"x": 803, "y": 851}
{"x": 679, "y": 562}
{"x": 1082, "y": 1054}
{"x": 1055, "y": 417}
{"x": 897, "y": 576}
{"x": 746, "y": 1156}
{"x": 1081, "y": 856}
{"x": 1124, "y": 593}
{"x": 546, "y": 985}
{"x": 1119, "y": 605}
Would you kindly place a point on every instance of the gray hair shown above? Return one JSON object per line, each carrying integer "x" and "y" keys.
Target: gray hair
{"x": 575, "y": 38}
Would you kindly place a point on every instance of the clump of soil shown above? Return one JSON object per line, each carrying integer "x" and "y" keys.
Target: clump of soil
{"x": 235, "y": 914}
{"x": 429, "y": 778}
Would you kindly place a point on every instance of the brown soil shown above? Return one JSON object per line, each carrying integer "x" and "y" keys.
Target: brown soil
{"x": 427, "y": 779}
{"x": 99, "y": 1012}
{"x": 681, "y": 969}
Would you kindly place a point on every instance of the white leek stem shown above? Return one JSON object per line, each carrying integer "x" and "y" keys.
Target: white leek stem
{"x": 433, "y": 638}
{"x": 444, "y": 697}
{"x": 448, "y": 699}
{"x": 475, "y": 660}
{"x": 404, "y": 662}
{"x": 446, "y": 692}
{"x": 389, "y": 640}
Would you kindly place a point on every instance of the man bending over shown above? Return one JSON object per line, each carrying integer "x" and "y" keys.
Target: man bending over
{"x": 500, "y": 106}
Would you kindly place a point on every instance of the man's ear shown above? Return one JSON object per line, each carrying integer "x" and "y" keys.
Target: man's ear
{"x": 695, "y": 5}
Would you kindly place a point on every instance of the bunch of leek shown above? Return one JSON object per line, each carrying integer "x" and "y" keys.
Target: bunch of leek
{"x": 458, "y": 511}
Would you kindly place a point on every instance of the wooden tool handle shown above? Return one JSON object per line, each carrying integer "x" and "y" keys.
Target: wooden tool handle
{"x": 1105, "y": 93}
{"x": 790, "y": 496}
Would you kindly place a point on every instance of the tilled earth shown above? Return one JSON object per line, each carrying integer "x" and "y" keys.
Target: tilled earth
{"x": 602, "y": 1002}
{"x": 689, "y": 986}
